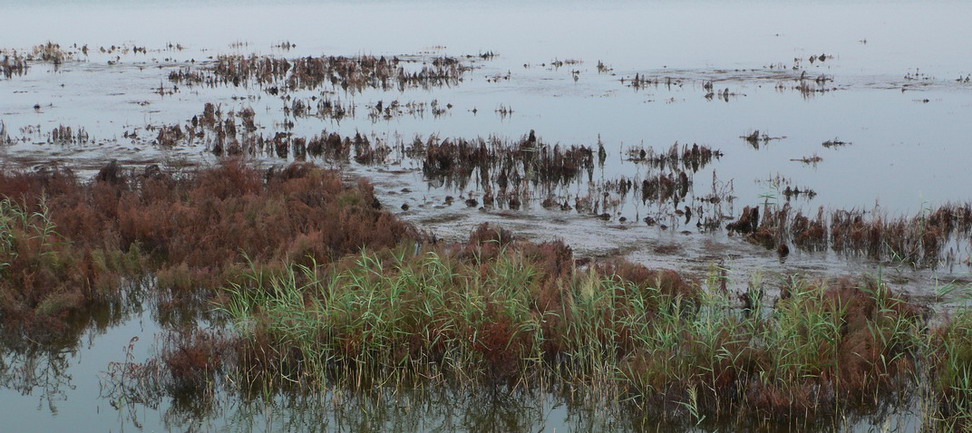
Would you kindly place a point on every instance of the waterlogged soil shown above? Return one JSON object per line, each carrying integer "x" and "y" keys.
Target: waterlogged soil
{"x": 809, "y": 105}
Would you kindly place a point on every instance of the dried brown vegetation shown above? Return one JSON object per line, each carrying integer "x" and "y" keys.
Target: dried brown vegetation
{"x": 354, "y": 74}
{"x": 756, "y": 139}
{"x": 52, "y": 53}
{"x": 13, "y": 64}
{"x": 922, "y": 240}
{"x": 456, "y": 160}
{"x": 505, "y": 173}
{"x": 65, "y": 135}
{"x": 74, "y": 240}
{"x": 684, "y": 157}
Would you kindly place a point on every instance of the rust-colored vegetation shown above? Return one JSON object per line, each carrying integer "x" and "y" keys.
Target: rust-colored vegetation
{"x": 322, "y": 288}
{"x": 68, "y": 243}
{"x": 310, "y": 308}
{"x": 354, "y": 74}
{"x": 921, "y": 240}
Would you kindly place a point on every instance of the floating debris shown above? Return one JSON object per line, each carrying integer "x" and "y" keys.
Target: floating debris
{"x": 835, "y": 143}
{"x": 811, "y": 160}
{"x": 756, "y": 139}
{"x": 640, "y": 81}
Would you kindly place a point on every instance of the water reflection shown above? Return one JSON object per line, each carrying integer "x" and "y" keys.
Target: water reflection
{"x": 479, "y": 409}
{"x": 40, "y": 365}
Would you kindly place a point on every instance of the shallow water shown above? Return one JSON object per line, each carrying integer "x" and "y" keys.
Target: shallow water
{"x": 72, "y": 391}
{"x": 893, "y": 96}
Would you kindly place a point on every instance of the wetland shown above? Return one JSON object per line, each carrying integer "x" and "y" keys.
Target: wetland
{"x": 428, "y": 216}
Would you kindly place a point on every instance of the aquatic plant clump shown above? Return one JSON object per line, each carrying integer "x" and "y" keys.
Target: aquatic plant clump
{"x": 489, "y": 310}
{"x": 69, "y": 242}
{"x": 13, "y": 64}
{"x": 686, "y": 157}
{"x": 43, "y": 278}
{"x": 503, "y": 165}
{"x": 353, "y": 74}
{"x": 951, "y": 359}
{"x": 523, "y": 314}
{"x": 923, "y": 240}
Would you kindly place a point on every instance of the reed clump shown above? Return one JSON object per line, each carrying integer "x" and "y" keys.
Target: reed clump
{"x": 497, "y": 310}
{"x": 951, "y": 373}
{"x": 52, "y": 53}
{"x": 507, "y": 163}
{"x": 490, "y": 310}
{"x": 687, "y": 158}
{"x": 65, "y": 135}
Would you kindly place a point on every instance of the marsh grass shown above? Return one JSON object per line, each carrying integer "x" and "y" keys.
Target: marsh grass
{"x": 497, "y": 313}
{"x": 952, "y": 345}
{"x": 326, "y": 291}
{"x": 378, "y": 317}
{"x": 950, "y": 353}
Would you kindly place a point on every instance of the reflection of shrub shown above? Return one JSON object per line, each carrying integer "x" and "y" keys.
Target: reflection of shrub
{"x": 193, "y": 359}
{"x": 187, "y": 370}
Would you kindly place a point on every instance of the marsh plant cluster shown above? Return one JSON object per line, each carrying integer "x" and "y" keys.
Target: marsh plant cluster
{"x": 318, "y": 288}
